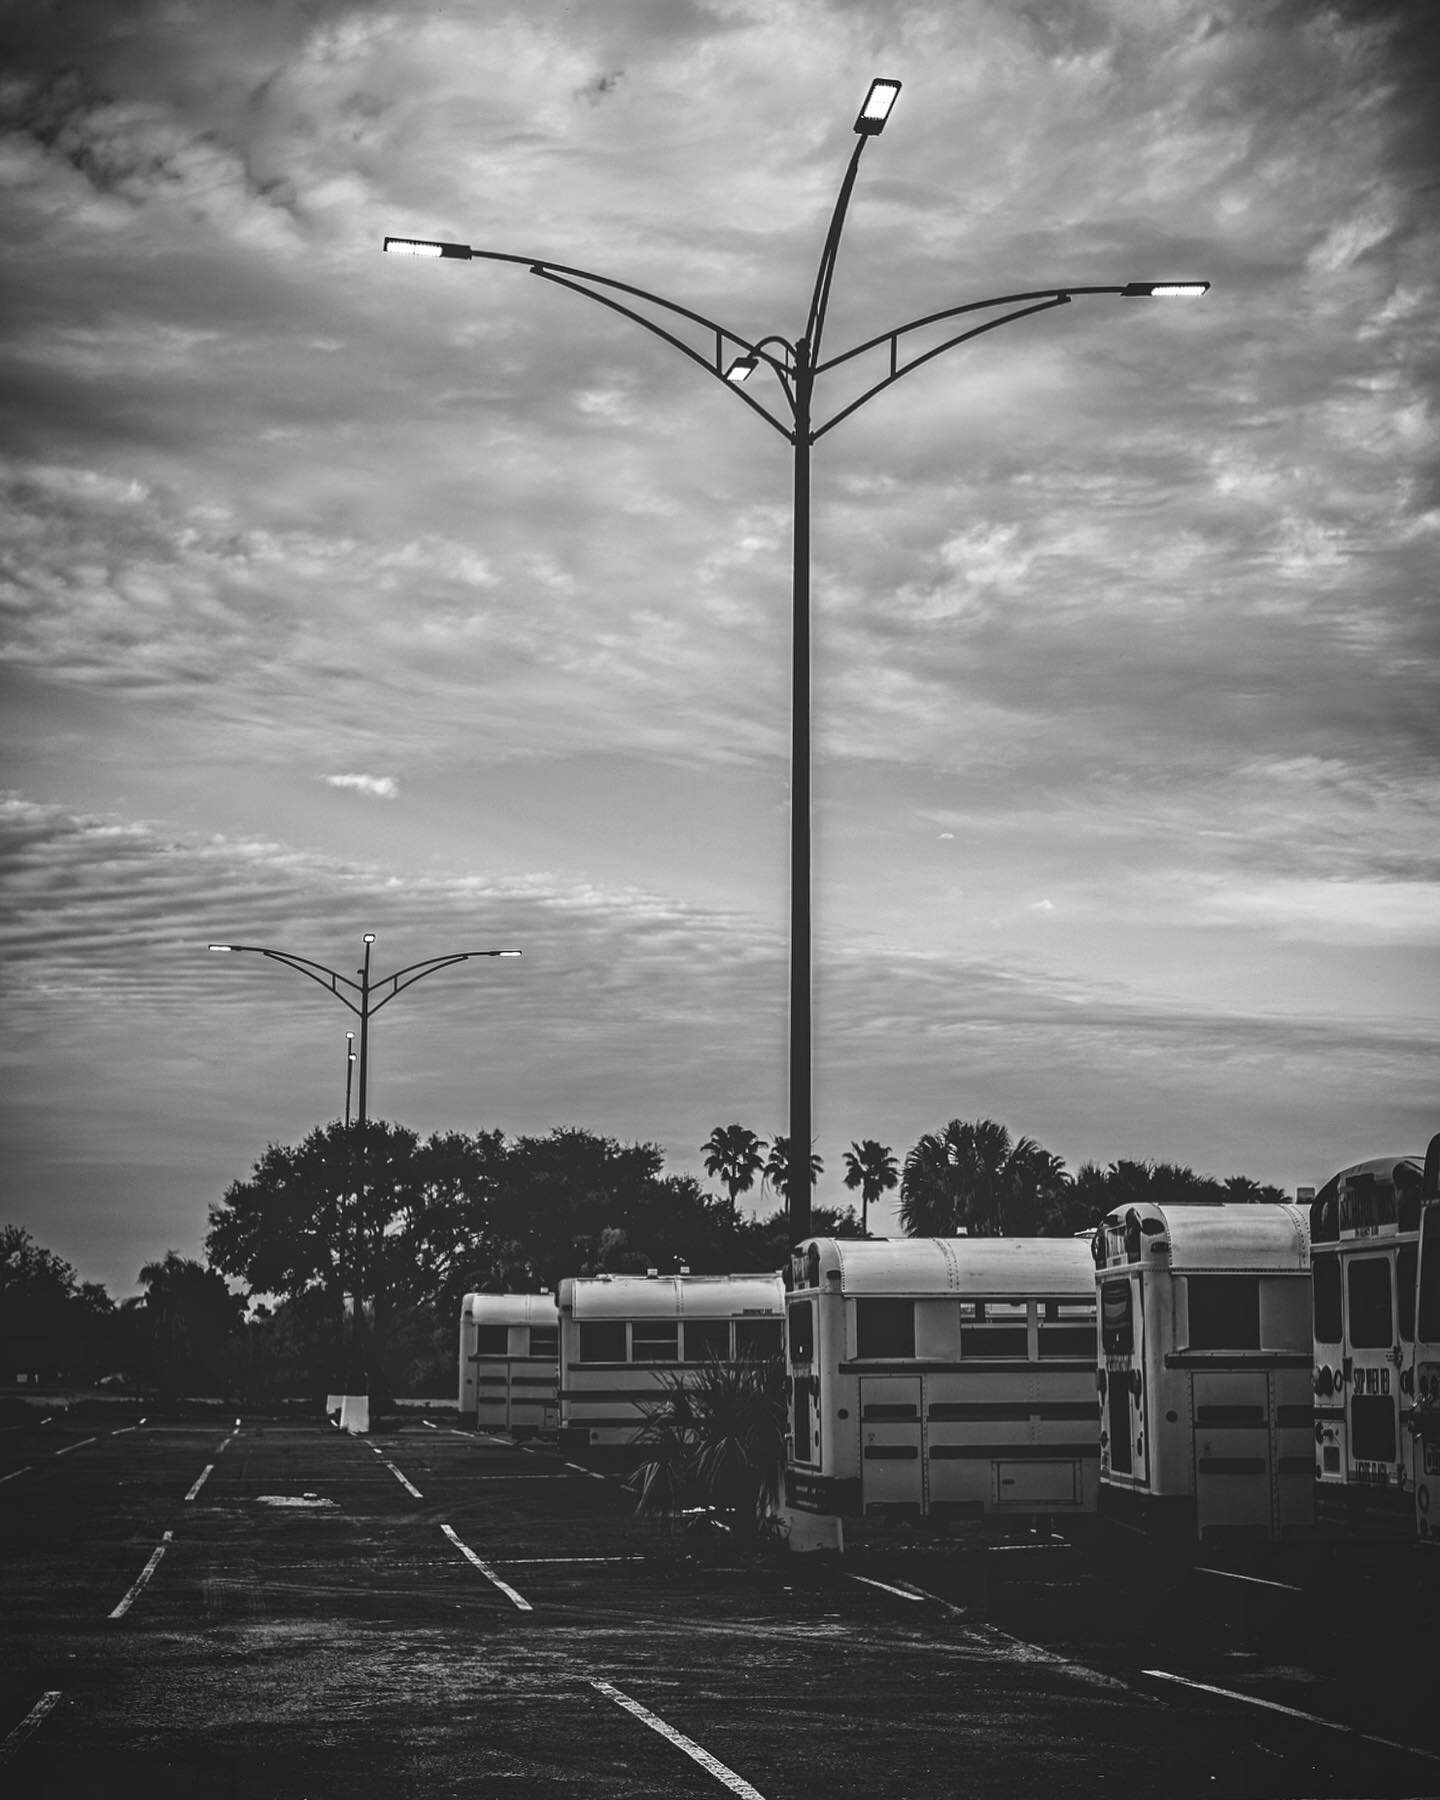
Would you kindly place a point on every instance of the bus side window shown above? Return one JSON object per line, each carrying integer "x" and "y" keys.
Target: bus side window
{"x": 802, "y": 1331}
{"x": 492, "y": 1340}
{"x": 1067, "y": 1328}
{"x": 603, "y": 1342}
{"x": 1405, "y": 1261}
{"x": 655, "y": 1341}
{"x": 759, "y": 1339}
{"x": 707, "y": 1340}
{"x": 1371, "y": 1325}
{"x": 1325, "y": 1279}
{"x": 885, "y": 1328}
{"x": 1224, "y": 1312}
{"x": 544, "y": 1340}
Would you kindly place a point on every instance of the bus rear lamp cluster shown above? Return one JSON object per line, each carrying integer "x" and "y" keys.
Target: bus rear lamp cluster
{"x": 1430, "y": 1385}
{"x": 1328, "y": 1380}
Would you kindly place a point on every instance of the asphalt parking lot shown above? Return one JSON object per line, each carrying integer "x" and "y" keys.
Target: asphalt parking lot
{"x": 206, "y": 1606}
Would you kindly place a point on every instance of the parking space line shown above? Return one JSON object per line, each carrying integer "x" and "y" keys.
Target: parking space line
{"x": 27, "y": 1727}
{"x": 1255, "y": 1580}
{"x": 80, "y": 1446}
{"x": 200, "y": 1481}
{"x": 408, "y": 1486}
{"x": 737, "y": 1784}
{"x": 512, "y": 1562}
{"x": 1292, "y": 1712}
{"x": 594, "y": 1474}
{"x": 144, "y": 1575}
{"x": 485, "y": 1569}
{"x": 903, "y": 1593}
{"x": 14, "y": 1472}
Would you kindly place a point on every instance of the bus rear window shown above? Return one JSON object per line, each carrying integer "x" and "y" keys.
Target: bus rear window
{"x": 603, "y": 1342}
{"x": 1405, "y": 1261}
{"x": 1117, "y": 1323}
{"x": 1371, "y": 1324}
{"x": 885, "y": 1328}
{"x": 1428, "y": 1324}
{"x": 1224, "y": 1312}
{"x": 802, "y": 1331}
{"x": 492, "y": 1340}
{"x": 544, "y": 1340}
{"x": 1325, "y": 1287}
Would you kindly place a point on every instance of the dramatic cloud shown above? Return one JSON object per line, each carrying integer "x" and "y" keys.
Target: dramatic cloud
{"x": 1125, "y": 643}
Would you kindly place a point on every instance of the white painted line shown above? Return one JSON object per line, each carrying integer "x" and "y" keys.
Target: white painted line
{"x": 512, "y": 1562}
{"x": 225, "y": 1441}
{"x": 14, "y": 1472}
{"x": 395, "y": 1472}
{"x": 120, "y": 1430}
{"x": 485, "y": 1569}
{"x": 736, "y": 1783}
{"x": 144, "y": 1575}
{"x": 428, "y": 1426}
{"x": 1291, "y": 1712}
{"x": 80, "y": 1446}
{"x": 902, "y": 1592}
{"x": 200, "y": 1481}
{"x": 594, "y": 1473}
{"x": 27, "y": 1727}
{"x": 1255, "y": 1580}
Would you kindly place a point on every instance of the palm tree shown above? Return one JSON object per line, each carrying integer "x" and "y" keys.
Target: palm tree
{"x": 735, "y": 1155}
{"x": 974, "y": 1178}
{"x": 870, "y": 1166}
{"x": 777, "y": 1168}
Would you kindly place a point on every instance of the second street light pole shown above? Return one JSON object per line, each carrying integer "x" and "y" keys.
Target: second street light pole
{"x": 796, "y": 368}
{"x": 364, "y": 1005}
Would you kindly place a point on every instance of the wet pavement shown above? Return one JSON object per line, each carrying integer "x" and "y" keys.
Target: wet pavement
{"x": 263, "y": 1609}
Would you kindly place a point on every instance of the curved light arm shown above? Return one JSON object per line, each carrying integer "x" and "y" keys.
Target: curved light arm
{"x": 1042, "y": 300}
{"x": 819, "y": 300}
{"x": 327, "y": 978}
{"x": 563, "y": 275}
{"x": 408, "y": 976}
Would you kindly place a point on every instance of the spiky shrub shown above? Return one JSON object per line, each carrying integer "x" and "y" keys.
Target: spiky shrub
{"x": 716, "y": 1438}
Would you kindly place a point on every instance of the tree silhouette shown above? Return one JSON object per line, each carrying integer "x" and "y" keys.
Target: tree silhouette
{"x": 734, "y": 1155}
{"x": 777, "y": 1168}
{"x": 870, "y": 1166}
{"x": 974, "y": 1178}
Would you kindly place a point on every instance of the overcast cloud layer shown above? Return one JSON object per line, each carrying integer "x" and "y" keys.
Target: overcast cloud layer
{"x": 347, "y": 593}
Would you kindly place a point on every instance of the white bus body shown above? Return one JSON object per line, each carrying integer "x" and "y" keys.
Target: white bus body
{"x": 1204, "y": 1375}
{"x": 1365, "y": 1244}
{"x": 620, "y": 1335}
{"x": 941, "y": 1377}
{"x": 509, "y": 1362}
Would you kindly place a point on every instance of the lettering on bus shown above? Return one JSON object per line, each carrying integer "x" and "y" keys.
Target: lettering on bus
{"x": 1372, "y": 1381}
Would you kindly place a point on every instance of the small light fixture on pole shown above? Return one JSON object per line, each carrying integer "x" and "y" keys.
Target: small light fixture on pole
{"x": 797, "y": 364}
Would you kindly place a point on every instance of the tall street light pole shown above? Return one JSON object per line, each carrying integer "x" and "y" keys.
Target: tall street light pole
{"x": 796, "y": 367}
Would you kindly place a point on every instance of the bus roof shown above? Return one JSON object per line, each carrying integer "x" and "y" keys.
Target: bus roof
{"x": 1224, "y": 1234}
{"x": 672, "y": 1296}
{"x": 960, "y": 1265}
{"x": 509, "y": 1309}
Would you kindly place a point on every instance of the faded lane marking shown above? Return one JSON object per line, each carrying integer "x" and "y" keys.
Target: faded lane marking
{"x": 27, "y": 1727}
{"x": 485, "y": 1569}
{"x": 120, "y": 1430}
{"x": 1256, "y": 1580}
{"x": 409, "y": 1488}
{"x": 144, "y": 1575}
{"x": 1292, "y": 1712}
{"x": 14, "y": 1472}
{"x": 200, "y": 1480}
{"x": 737, "y": 1784}
{"x": 512, "y": 1562}
{"x": 593, "y": 1473}
{"x": 80, "y": 1446}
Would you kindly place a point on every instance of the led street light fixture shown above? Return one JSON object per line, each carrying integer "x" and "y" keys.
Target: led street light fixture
{"x": 876, "y": 110}
{"x": 742, "y": 369}
{"x": 1164, "y": 290}
{"x": 222, "y": 946}
{"x": 424, "y": 247}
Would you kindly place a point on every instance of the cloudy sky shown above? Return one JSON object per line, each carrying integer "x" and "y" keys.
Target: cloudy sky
{"x": 347, "y": 593}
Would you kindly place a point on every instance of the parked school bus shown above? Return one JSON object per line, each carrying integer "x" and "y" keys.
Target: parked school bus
{"x": 1205, "y": 1354}
{"x": 509, "y": 1362}
{"x": 1425, "y": 1417}
{"x": 622, "y": 1335}
{"x": 938, "y": 1377}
